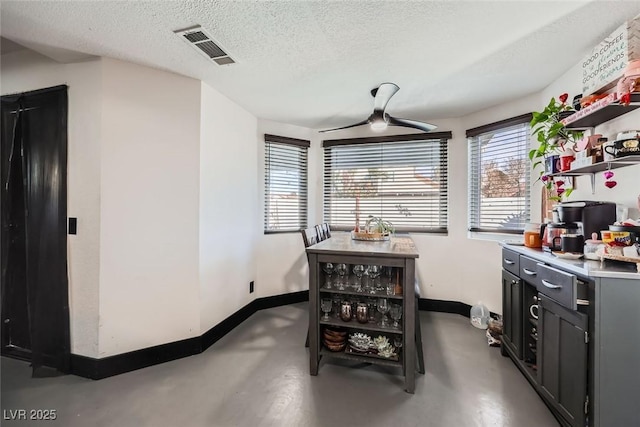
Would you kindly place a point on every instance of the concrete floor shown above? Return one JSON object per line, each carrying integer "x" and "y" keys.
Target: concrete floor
{"x": 258, "y": 375}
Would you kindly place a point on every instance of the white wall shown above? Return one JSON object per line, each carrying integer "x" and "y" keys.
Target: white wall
{"x": 150, "y": 206}
{"x": 628, "y": 178}
{"x": 281, "y": 261}
{"x": 229, "y": 207}
{"x": 24, "y": 71}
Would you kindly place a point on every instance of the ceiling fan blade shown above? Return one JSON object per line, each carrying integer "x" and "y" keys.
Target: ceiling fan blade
{"x": 382, "y": 96}
{"x": 364, "y": 122}
{"x": 426, "y": 127}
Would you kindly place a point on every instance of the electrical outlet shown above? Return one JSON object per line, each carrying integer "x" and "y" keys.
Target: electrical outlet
{"x": 251, "y": 284}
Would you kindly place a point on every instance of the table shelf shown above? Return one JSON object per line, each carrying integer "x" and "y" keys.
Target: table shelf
{"x": 354, "y": 324}
{"x": 359, "y": 294}
{"x": 377, "y": 360}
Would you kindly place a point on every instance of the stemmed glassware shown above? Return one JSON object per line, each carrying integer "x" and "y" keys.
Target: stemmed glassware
{"x": 358, "y": 270}
{"x": 383, "y": 308}
{"x": 341, "y": 269}
{"x": 325, "y": 305}
{"x": 374, "y": 272}
{"x": 396, "y": 314}
{"x": 328, "y": 270}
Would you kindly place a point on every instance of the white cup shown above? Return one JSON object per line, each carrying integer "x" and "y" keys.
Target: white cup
{"x": 607, "y": 156}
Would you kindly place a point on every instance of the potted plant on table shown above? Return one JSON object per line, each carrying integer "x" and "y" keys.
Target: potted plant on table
{"x": 553, "y": 138}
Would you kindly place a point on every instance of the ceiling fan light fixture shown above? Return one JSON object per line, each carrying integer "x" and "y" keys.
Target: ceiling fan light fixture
{"x": 379, "y": 119}
{"x": 378, "y": 125}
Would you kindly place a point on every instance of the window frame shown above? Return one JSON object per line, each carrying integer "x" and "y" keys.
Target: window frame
{"x": 480, "y": 130}
{"x": 442, "y": 138}
{"x": 291, "y": 142}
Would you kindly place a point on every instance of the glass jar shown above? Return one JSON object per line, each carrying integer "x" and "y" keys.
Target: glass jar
{"x": 591, "y": 247}
{"x": 532, "y": 235}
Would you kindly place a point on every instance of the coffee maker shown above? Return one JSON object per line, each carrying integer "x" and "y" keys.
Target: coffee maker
{"x": 580, "y": 218}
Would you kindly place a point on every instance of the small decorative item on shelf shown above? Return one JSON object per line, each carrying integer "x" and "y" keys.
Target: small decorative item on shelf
{"x": 553, "y": 138}
{"x": 375, "y": 229}
{"x": 629, "y": 82}
{"x": 609, "y": 183}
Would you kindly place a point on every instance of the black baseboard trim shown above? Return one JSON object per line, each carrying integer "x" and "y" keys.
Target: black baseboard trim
{"x": 96, "y": 369}
{"x": 443, "y": 306}
{"x": 109, "y": 366}
{"x": 279, "y": 300}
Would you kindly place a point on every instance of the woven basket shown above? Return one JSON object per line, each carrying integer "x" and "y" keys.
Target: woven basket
{"x": 359, "y": 235}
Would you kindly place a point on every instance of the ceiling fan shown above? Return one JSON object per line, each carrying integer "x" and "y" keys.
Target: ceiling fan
{"x": 379, "y": 119}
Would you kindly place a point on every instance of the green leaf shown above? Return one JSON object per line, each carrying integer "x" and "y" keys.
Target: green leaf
{"x": 567, "y": 192}
{"x": 536, "y": 164}
{"x": 532, "y": 153}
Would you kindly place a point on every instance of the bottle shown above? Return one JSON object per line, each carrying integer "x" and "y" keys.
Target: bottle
{"x": 479, "y": 316}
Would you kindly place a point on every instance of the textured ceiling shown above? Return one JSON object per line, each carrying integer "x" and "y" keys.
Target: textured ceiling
{"x": 313, "y": 63}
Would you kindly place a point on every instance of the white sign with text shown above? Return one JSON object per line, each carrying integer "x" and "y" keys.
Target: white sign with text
{"x": 602, "y": 68}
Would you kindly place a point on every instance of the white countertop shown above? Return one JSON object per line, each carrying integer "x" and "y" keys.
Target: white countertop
{"x": 582, "y": 267}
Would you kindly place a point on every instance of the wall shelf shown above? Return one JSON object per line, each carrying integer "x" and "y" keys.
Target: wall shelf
{"x": 600, "y": 167}
{"x": 600, "y": 111}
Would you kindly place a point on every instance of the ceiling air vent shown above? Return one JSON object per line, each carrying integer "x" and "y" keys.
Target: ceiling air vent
{"x": 201, "y": 41}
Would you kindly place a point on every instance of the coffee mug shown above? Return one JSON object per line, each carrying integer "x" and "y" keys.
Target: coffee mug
{"x": 565, "y": 163}
{"x": 552, "y": 164}
{"x": 623, "y": 148}
{"x": 572, "y": 243}
{"x": 534, "y": 307}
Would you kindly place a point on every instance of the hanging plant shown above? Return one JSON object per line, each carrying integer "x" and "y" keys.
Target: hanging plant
{"x": 552, "y": 137}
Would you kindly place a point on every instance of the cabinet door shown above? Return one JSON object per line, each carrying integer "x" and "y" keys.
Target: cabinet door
{"x": 512, "y": 312}
{"x": 562, "y": 359}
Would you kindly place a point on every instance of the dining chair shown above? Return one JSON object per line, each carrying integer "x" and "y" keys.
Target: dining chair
{"x": 309, "y": 238}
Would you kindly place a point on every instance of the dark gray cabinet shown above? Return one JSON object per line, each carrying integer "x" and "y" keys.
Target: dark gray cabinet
{"x": 512, "y": 313}
{"x": 551, "y": 350}
{"x": 562, "y": 359}
{"x": 586, "y": 353}
{"x": 400, "y": 253}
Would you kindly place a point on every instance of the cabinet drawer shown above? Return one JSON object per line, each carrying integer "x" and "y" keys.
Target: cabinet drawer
{"x": 562, "y": 287}
{"x": 511, "y": 261}
{"x": 529, "y": 270}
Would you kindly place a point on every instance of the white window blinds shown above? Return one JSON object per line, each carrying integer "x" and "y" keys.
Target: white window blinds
{"x": 401, "y": 179}
{"x": 499, "y": 176}
{"x": 285, "y": 184}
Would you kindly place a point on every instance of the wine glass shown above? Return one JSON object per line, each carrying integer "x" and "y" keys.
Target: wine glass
{"x": 396, "y": 314}
{"x": 325, "y": 305}
{"x": 374, "y": 273}
{"x": 358, "y": 270}
{"x": 397, "y": 342}
{"x": 388, "y": 274}
{"x": 328, "y": 270}
{"x": 383, "y": 308}
{"x": 341, "y": 269}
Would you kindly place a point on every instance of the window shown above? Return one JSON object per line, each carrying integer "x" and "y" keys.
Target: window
{"x": 499, "y": 176}
{"x": 401, "y": 179}
{"x": 285, "y": 184}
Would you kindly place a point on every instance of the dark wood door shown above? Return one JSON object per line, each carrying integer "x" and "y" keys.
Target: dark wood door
{"x": 33, "y": 212}
{"x": 512, "y": 312}
{"x": 562, "y": 359}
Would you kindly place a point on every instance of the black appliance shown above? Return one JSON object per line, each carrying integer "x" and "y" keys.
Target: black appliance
{"x": 582, "y": 218}
{"x": 594, "y": 216}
